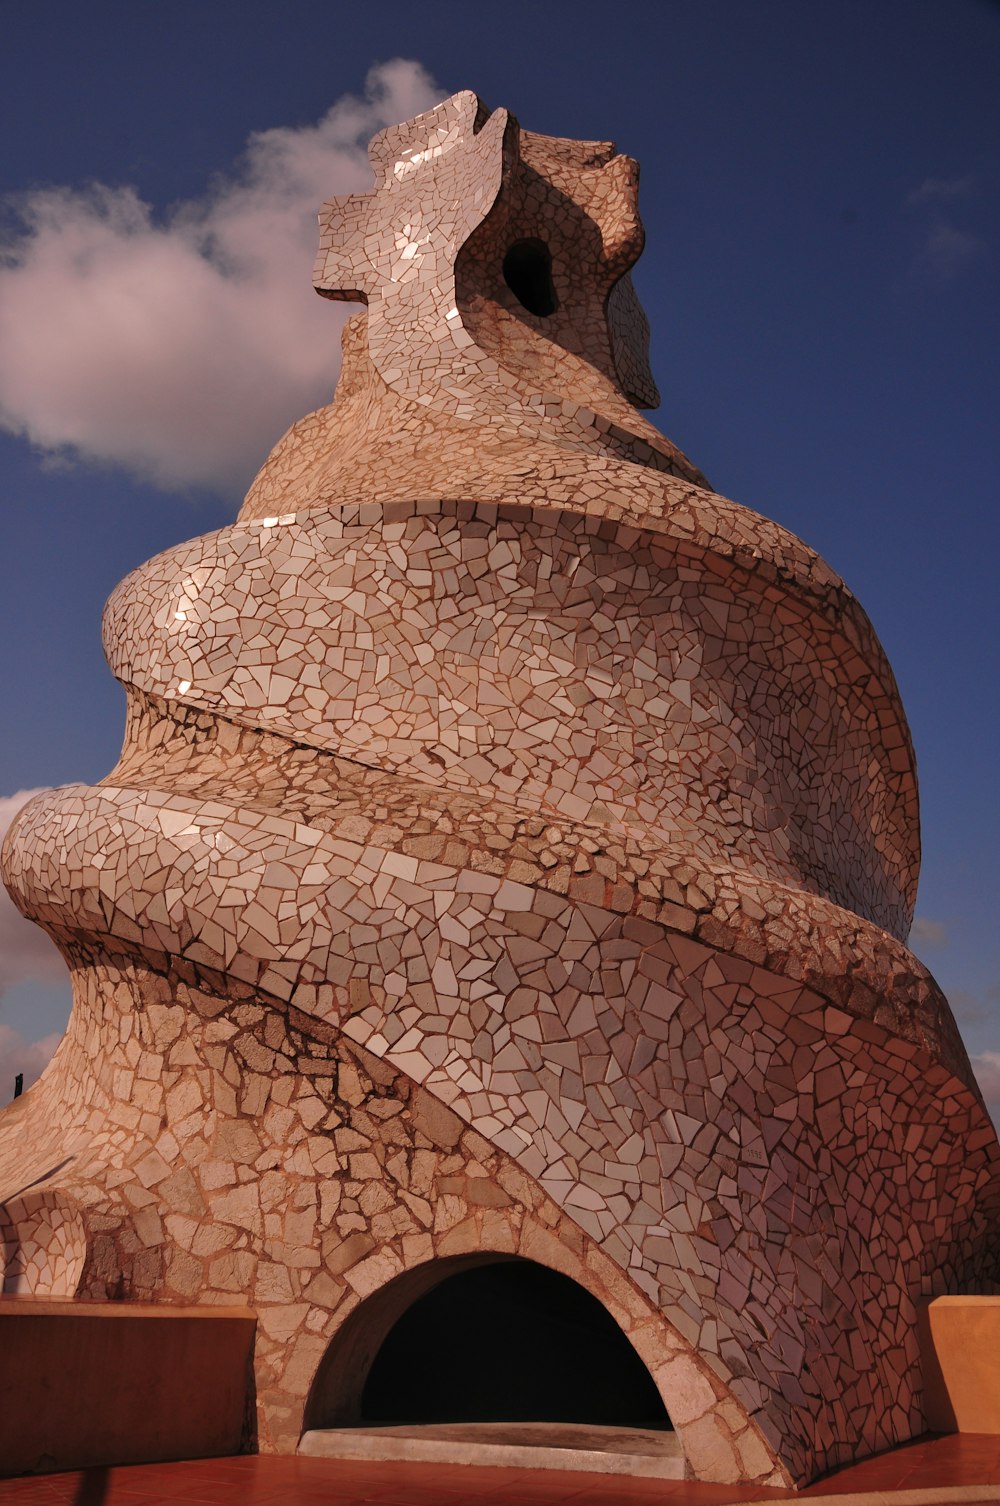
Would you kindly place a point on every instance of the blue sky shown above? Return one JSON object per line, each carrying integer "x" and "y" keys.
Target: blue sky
{"x": 820, "y": 192}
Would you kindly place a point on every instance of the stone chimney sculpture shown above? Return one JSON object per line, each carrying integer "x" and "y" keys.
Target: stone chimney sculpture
{"x": 511, "y": 854}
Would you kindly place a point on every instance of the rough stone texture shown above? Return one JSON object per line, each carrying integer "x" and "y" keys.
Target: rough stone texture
{"x": 513, "y": 849}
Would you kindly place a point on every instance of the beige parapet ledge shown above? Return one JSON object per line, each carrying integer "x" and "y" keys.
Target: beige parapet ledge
{"x": 97, "y": 1383}
{"x": 960, "y": 1354}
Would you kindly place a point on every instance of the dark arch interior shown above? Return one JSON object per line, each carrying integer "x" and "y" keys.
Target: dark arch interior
{"x": 527, "y": 271}
{"x": 510, "y": 1342}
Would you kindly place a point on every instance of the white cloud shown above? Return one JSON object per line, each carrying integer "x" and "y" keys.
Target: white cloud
{"x": 17, "y": 1055}
{"x": 947, "y": 252}
{"x": 181, "y": 345}
{"x": 941, "y": 190}
{"x": 26, "y": 953}
{"x": 925, "y": 932}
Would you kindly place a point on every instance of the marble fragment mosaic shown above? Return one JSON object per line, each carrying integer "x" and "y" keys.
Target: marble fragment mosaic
{"x": 512, "y": 850}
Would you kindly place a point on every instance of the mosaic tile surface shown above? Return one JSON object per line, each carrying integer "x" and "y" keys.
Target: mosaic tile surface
{"x": 513, "y": 848}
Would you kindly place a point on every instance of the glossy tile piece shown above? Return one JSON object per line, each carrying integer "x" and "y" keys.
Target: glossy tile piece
{"x": 513, "y": 849}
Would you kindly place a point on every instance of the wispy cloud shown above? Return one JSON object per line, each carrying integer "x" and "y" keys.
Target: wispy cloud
{"x": 944, "y": 249}
{"x": 987, "y": 1069}
{"x": 941, "y": 190}
{"x": 24, "y": 1057}
{"x": 947, "y": 252}
{"x": 181, "y": 345}
{"x": 26, "y": 953}
{"x": 978, "y": 1008}
{"x": 975, "y": 1008}
{"x": 927, "y": 932}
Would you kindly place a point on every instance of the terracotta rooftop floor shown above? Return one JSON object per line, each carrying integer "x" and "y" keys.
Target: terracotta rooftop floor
{"x": 950, "y": 1464}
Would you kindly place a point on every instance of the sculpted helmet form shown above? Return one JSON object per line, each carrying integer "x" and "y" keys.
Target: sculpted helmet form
{"x": 474, "y": 222}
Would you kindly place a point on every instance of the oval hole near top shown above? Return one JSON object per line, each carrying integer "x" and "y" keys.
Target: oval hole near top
{"x": 527, "y": 271}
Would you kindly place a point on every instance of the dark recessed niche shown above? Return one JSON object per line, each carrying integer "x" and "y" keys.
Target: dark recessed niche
{"x": 510, "y": 1342}
{"x": 527, "y": 271}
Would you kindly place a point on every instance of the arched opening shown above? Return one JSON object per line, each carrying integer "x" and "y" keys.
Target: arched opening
{"x": 510, "y": 1342}
{"x": 483, "y": 1339}
{"x": 527, "y": 271}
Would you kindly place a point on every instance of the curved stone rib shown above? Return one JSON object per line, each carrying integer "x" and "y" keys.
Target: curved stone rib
{"x": 566, "y": 667}
{"x": 203, "y": 852}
